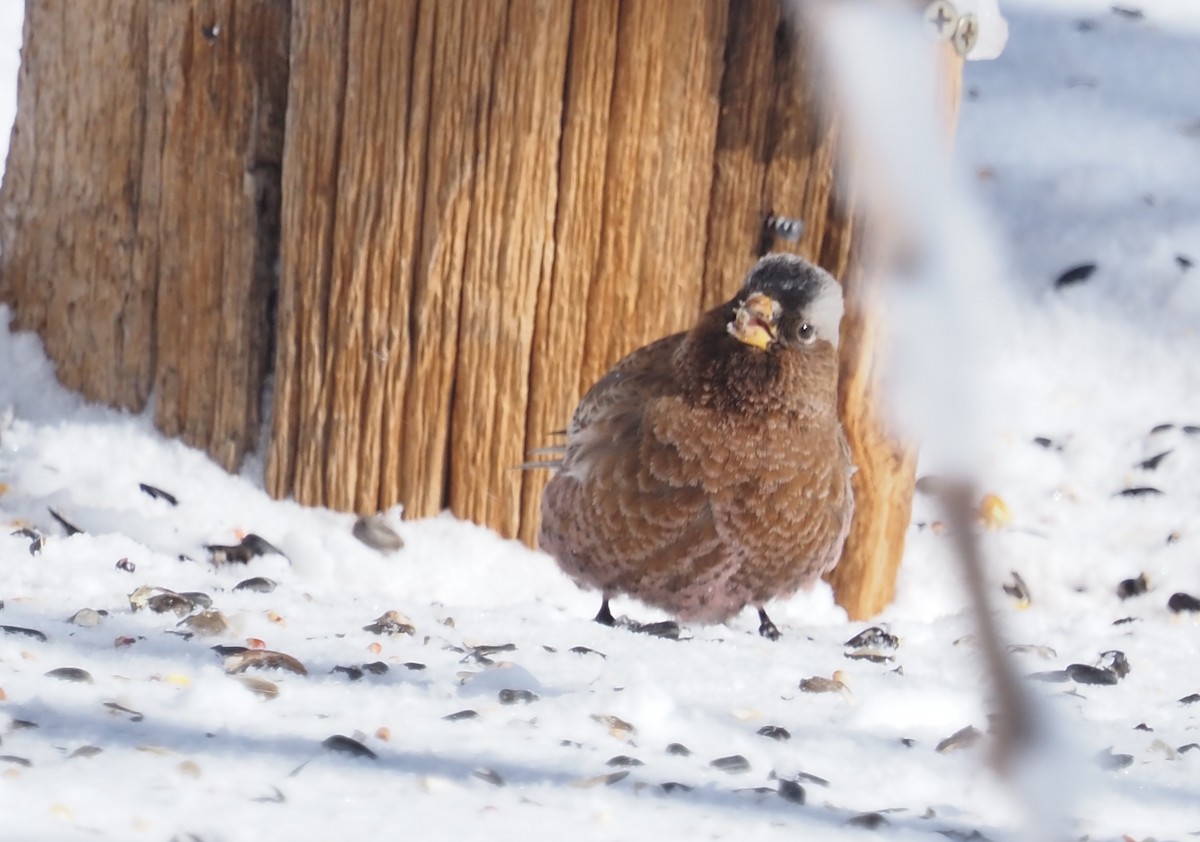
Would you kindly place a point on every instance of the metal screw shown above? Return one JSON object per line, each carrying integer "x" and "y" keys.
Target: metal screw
{"x": 784, "y": 227}
{"x": 966, "y": 34}
{"x": 942, "y": 19}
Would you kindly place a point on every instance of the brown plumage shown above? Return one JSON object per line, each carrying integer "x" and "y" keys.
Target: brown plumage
{"x": 707, "y": 471}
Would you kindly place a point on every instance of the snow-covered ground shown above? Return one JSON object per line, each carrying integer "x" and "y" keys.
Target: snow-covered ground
{"x": 1083, "y": 144}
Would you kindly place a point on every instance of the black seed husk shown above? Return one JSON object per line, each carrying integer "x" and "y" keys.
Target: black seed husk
{"x": 1074, "y": 275}
{"x": 791, "y": 791}
{"x": 71, "y": 528}
{"x": 490, "y": 776}
{"x": 733, "y": 763}
{"x": 460, "y": 715}
{"x": 871, "y": 821}
{"x": 774, "y": 732}
{"x": 1133, "y": 587}
{"x": 34, "y": 633}
{"x": 70, "y": 674}
{"x": 513, "y": 697}
{"x": 354, "y": 673}
{"x": 583, "y": 650}
{"x": 1190, "y": 700}
{"x": 348, "y": 745}
{"x": 873, "y": 638}
{"x": 1180, "y": 602}
{"x": 1153, "y": 462}
{"x": 1084, "y": 674}
{"x": 959, "y": 739}
{"x": 672, "y": 786}
{"x": 1139, "y": 491}
{"x": 158, "y": 493}
{"x": 1115, "y": 662}
{"x": 132, "y": 715}
{"x": 1142, "y": 726}
{"x": 679, "y": 750}
{"x": 375, "y": 667}
{"x": 623, "y": 760}
{"x": 257, "y": 584}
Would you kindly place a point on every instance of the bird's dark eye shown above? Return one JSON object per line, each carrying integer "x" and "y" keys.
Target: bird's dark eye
{"x": 806, "y": 333}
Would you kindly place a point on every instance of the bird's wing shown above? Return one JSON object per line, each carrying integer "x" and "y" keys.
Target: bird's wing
{"x": 617, "y": 516}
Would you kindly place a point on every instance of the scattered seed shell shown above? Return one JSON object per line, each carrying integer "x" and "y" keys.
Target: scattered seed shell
{"x": 158, "y": 493}
{"x": 819, "y": 684}
{"x": 679, "y": 750}
{"x": 870, "y": 821}
{"x": 513, "y": 697}
{"x": 348, "y": 745}
{"x": 791, "y": 791}
{"x": 207, "y": 623}
{"x": 1153, "y": 462}
{"x": 1018, "y": 590}
{"x": 460, "y": 715}
{"x": 623, "y": 760}
{"x": 121, "y": 710}
{"x": 1139, "y": 491}
{"x": 674, "y": 786}
{"x": 1084, "y": 674}
{"x": 257, "y": 584}
{"x": 85, "y": 752}
{"x": 1115, "y": 662}
{"x": 775, "y": 732}
{"x": 1074, "y": 275}
{"x": 487, "y": 775}
{"x": 1180, "y": 602}
{"x": 733, "y": 763}
{"x": 71, "y": 674}
{"x": 1133, "y": 587}
{"x": 34, "y": 633}
{"x": 391, "y": 622}
{"x": 873, "y": 638}
{"x": 374, "y": 531}
{"x": 239, "y": 662}
{"x": 962, "y": 738}
{"x": 617, "y": 727}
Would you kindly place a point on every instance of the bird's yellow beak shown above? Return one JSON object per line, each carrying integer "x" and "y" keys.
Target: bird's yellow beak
{"x": 754, "y": 322}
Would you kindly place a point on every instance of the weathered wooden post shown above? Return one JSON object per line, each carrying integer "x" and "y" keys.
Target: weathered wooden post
{"x": 470, "y": 210}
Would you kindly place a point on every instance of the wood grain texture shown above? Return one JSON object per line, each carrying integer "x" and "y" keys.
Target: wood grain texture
{"x": 509, "y": 258}
{"x": 70, "y": 228}
{"x": 140, "y": 205}
{"x": 215, "y": 100}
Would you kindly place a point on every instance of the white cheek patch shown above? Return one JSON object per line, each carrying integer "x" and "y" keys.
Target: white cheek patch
{"x": 825, "y": 311}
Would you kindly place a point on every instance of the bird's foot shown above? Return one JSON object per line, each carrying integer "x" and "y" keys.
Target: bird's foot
{"x": 604, "y": 616}
{"x": 668, "y": 629}
{"x": 766, "y": 627}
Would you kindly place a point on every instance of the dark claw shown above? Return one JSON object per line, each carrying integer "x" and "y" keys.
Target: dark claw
{"x": 604, "y": 616}
{"x": 766, "y": 628}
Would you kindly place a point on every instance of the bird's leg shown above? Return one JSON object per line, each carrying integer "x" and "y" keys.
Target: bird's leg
{"x": 765, "y": 627}
{"x": 604, "y": 616}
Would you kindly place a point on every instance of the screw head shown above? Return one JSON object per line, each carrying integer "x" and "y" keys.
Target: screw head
{"x": 941, "y": 19}
{"x": 966, "y": 34}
